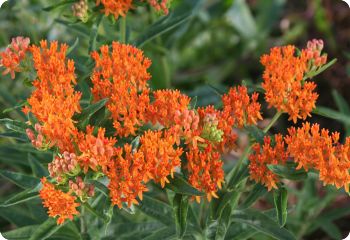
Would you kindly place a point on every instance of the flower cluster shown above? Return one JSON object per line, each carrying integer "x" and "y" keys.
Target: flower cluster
{"x": 285, "y": 76}
{"x": 59, "y": 203}
{"x": 264, "y": 155}
{"x": 64, "y": 165}
{"x": 11, "y": 58}
{"x": 121, "y": 7}
{"x": 122, "y": 77}
{"x": 54, "y": 100}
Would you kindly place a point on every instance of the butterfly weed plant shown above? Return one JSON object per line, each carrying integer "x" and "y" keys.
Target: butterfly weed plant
{"x": 118, "y": 159}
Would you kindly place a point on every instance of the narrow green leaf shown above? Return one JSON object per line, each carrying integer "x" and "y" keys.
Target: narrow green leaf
{"x": 58, "y": 5}
{"x": 101, "y": 187}
{"x": 179, "y": 185}
{"x": 72, "y": 47}
{"x": 22, "y": 233}
{"x": 240, "y": 232}
{"x": 20, "y": 198}
{"x": 180, "y": 205}
{"x": 163, "y": 233}
{"x": 262, "y": 223}
{"x": 321, "y": 69}
{"x": 88, "y": 112}
{"x": 163, "y": 25}
{"x": 238, "y": 176}
{"x": 38, "y": 170}
{"x": 288, "y": 171}
{"x": 18, "y": 106}
{"x": 332, "y": 230}
{"x": 46, "y": 229}
{"x": 330, "y": 113}
{"x": 156, "y": 209}
{"x": 343, "y": 107}
{"x": 21, "y": 180}
{"x": 225, "y": 200}
{"x": 94, "y": 33}
{"x": 256, "y": 133}
{"x": 224, "y": 223}
{"x": 257, "y": 192}
{"x": 14, "y": 125}
{"x": 280, "y": 199}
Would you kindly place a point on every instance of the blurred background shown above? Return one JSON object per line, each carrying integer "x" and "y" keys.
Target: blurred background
{"x": 216, "y": 44}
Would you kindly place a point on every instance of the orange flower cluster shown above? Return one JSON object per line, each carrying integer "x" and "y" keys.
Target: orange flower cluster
{"x": 96, "y": 152}
{"x": 318, "y": 149}
{"x": 205, "y": 171}
{"x": 122, "y": 76}
{"x": 54, "y": 100}
{"x": 264, "y": 155}
{"x": 121, "y": 7}
{"x": 11, "y": 58}
{"x": 284, "y": 81}
{"x": 156, "y": 159}
{"x": 239, "y": 108}
{"x": 59, "y": 203}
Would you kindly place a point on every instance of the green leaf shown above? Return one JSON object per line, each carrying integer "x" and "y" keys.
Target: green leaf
{"x": 18, "y": 106}
{"x": 101, "y": 187}
{"x": 321, "y": 69}
{"x": 238, "y": 176}
{"x": 240, "y": 232}
{"x": 241, "y": 18}
{"x": 21, "y": 180}
{"x": 72, "y": 47}
{"x": 256, "y": 133}
{"x": 330, "y": 113}
{"x": 22, "y": 233}
{"x": 163, "y": 233}
{"x": 262, "y": 223}
{"x": 224, "y": 223}
{"x": 14, "y": 125}
{"x": 226, "y": 199}
{"x": 163, "y": 25}
{"x": 343, "y": 107}
{"x": 58, "y": 5}
{"x": 20, "y": 198}
{"x": 94, "y": 33}
{"x": 257, "y": 192}
{"x": 45, "y": 230}
{"x": 88, "y": 112}
{"x": 156, "y": 209}
{"x": 38, "y": 170}
{"x": 280, "y": 199}
{"x": 288, "y": 171}
{"x": 180, "y": 205}
{"x": 18, "y": 215}
{"x": 179, "y": 185}
{"x": 332, "y": 230}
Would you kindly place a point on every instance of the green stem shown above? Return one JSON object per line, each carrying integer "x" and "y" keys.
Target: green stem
{"x": 123, "y": 30}
{"x": 273, "y": 121}
{"x": 82, "y": 221}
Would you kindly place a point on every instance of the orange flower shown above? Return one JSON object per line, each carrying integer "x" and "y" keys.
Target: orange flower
{"x": 240, "y": 107}
{"x": 57, "y": 202}
{"x": 54, "y": 101}
{"x": 284, "y": 83}
{"x": 122, "y": 77}
{"x": 127, "y": 174}
{"x": 11, "y": 58}
{"x": 264, "y": 155}
{"x": 205, "y": 171}
{"x": 166, "y": 105}
{"x": 96, "y": 151}
{"x": 161, "y": 158}
{"x": 115, "y": 7}
{"x": 224, "y": 123}
{"x": 318, "y": 149}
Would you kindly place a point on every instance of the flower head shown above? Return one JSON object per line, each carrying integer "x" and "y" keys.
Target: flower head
{"x": 205, "y": 170}
{"x": 267, "y": 154}
{"x": 115, "y": 7}
{"x": 284, "y": 83}
{"x": 54, "y": 101}
{"x": 58, "y": 203}
{"x": 11, "y": 58}
{"x": 97, "y": 152}
{"x": 122, "y": 77}
{"x": 315, "y": 148}
{"x": 242, "y": 109}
